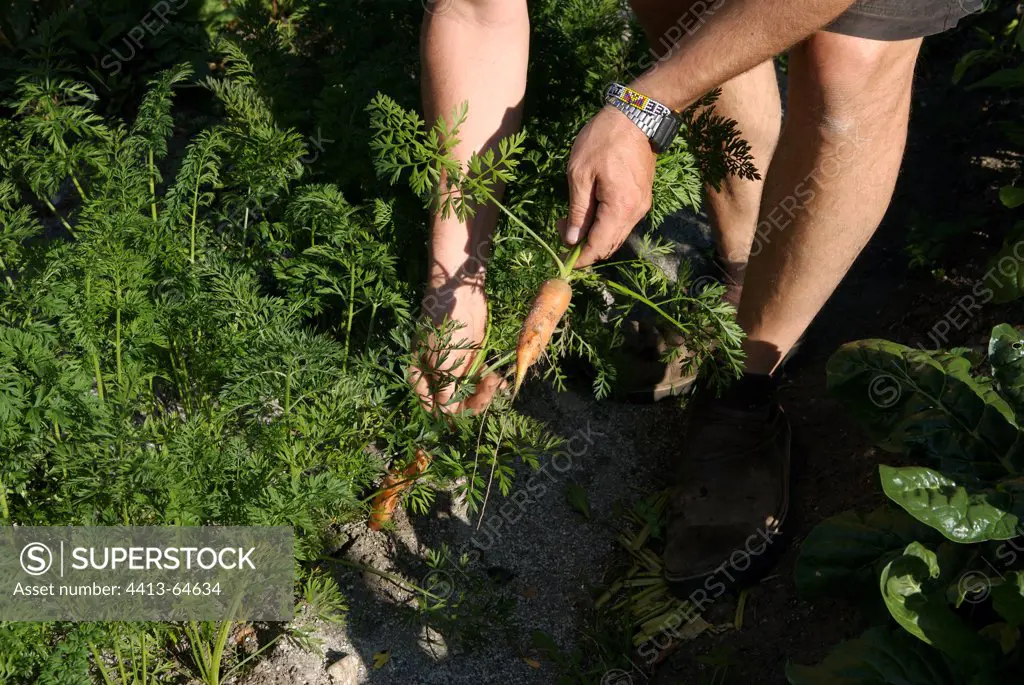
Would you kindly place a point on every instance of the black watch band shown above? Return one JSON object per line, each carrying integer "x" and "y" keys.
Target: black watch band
{"x": 658, "y": 122}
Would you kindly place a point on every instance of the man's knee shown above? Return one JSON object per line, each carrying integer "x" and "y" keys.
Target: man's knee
{"x": 851, "y": 78}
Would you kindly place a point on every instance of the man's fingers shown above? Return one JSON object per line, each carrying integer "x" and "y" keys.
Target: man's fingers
{"x": 582, "y": 205}
{"x": 484, "y": 393}
{"x": 610, "y": 228}
{"x": 421, "y": 386}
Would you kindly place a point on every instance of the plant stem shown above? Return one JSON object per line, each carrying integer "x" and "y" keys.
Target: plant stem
{"x": 570, "y": 263}
{"x": 117, "y": 337}
{"x": 540, "y": 241}
{"x": 98, "y": 660}
{"x": 351, "y": 313}
{"x": 479, "y": 358}
{"x": 504, "y": 359}
{"x": 181, "y": 376}
{"x": 98, "y": 373}
{"x": 120, "y": 663}
{"x": 640, "y": 298}
{"x": 287, "y": 393}
{"x": 252, "y": 656}
{"x": 218, "y": 649}
{"x": 4, "y": 510}
{"x": 195, "y": 210}
{"x": 145, "y": 670}
{"x": 78, "y": 187}
{"x": 59, "y": 216}
{"x": 152, "y": 186}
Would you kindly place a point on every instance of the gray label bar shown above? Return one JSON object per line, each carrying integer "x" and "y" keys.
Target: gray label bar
{"x": 147, "y": 573}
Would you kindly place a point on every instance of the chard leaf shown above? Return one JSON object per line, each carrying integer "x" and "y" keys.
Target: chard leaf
{"x": 912, "y": 592}
{"x": 1011, "y": 196}
{"x": 844, "y": 554}
{"x": 948, "y": 507}
{"x": 1006, "y": 355}
{"x": 881, "y": 656}
{"x": 1008, "y": 598}
{"x": 927, "y": 405}
{"x": 1005, "y": 277}
{"x": 1004, "y": 78}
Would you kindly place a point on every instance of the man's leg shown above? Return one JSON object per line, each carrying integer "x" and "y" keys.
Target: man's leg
{"x": 475, "y": 51}
{"x": 828, "y": 186}
{"x": 829, "y": 183}
{"x": 752, "y": 100}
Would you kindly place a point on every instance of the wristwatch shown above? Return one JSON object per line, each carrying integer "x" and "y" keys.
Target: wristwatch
{"x": 657, "y": 121}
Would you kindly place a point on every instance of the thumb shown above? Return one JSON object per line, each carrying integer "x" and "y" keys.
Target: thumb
{"x": 582, "y": 205}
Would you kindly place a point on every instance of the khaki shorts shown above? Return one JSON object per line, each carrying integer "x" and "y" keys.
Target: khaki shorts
{"x": 902, "y": 19}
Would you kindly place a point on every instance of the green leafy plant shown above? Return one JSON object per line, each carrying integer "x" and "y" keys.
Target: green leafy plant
{"x": 217, "y": 344}
{"x": 941, "y": 563}
{"x": 207, "y": 307}
{"x": 405, "y": 145}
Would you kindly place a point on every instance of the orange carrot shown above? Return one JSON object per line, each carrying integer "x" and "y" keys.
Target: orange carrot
{"x": 548, "y": 307}
{"x": 395, "y": 483}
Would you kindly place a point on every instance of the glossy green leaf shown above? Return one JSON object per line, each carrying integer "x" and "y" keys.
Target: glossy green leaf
{"x": 1004, "y": 78}
{"x": 844, "y": 554}
{"x": 880, "y": 656}
{"x": 916, "y": 599}
{"x": 926, "y": 404}
{"x": 1011, "y": 196}
{"x": 1005, "y": 273}
{"x": 1008, "y": 598}
{"x": 969, "y": 59}
{"x": 1006, "y": 355}
{"x": 948, "y": 507}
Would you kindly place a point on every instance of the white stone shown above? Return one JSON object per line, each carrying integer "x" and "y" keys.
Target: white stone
{"x": 345, "y": 671}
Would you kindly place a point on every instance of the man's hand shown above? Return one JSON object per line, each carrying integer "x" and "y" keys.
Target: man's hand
{"x": 611, "y": 173}
{"x": 464, "y": 303}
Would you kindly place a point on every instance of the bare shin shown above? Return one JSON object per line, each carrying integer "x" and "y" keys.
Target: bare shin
{"x": 829, "y": 184}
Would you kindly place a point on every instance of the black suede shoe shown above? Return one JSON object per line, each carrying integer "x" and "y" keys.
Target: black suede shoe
{"x": 728, "y": 509}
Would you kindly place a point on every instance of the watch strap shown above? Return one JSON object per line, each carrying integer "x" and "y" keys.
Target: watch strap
{"x": 659, "y": 123}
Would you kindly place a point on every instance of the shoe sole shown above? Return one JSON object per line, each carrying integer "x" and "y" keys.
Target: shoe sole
{"x": 659, "y": 392}
{"x": 720, "y": 579}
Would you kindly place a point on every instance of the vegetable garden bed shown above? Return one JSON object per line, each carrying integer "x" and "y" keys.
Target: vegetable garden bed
{"x": 211, "y": 263}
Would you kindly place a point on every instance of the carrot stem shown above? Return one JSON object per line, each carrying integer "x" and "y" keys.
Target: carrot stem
{"x": 640, "y": 298}
{"x": 533, "y": 234}
{"x": 505, "y": 359}
{"x": 570, "y": 262}
{"x": 479, "y": 358}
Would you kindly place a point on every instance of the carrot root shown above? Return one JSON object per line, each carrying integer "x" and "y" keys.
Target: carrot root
{"x": 547, "y": 310}
{"x": 395, "y": 483}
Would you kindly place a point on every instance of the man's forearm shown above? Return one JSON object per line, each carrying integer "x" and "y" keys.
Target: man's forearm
{"x": 475, "y": 50}
{"x": 734, "y": 36}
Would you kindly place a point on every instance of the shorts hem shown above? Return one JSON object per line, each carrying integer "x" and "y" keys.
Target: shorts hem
{"x": 861, "y": 24}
